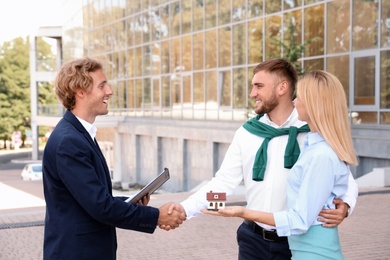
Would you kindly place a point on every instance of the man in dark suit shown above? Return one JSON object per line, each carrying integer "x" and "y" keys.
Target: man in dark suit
{"x": 81, "y": 213}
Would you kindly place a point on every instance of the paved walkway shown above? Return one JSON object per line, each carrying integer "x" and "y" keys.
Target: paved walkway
{"x": 364, "y": 235}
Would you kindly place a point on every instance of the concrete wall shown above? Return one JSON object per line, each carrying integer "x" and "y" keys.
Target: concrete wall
{"x": 194, "y": 150}
{"x": 191, "y": 150}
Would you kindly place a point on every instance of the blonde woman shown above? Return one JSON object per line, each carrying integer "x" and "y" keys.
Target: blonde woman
{"x": 320, "y": 174}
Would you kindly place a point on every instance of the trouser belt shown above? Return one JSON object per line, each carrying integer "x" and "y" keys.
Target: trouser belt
{"x": 268, "y": 235}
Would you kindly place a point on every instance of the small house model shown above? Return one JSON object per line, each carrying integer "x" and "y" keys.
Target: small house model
{"x": 216, "y": 200}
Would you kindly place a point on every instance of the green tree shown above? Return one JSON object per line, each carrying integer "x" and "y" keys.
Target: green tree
{"x": 15, "y": 85}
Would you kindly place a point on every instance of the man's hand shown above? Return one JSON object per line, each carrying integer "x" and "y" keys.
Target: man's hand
{"x": 333, "y": 217}
{"x": 172, "y": 215}
{"x": 144, "y": 200}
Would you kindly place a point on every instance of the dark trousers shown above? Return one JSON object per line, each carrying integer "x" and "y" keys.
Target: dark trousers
{"x": 252, "y": 246}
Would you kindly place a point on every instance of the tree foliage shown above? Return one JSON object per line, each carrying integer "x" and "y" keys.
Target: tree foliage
{"x": 15, "y": 85}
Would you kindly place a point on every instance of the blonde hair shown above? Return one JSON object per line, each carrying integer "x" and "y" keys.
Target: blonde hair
{"x": 324, "y": 98}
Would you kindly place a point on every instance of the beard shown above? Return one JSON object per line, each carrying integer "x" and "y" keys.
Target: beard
{"x": 268, "y": 105}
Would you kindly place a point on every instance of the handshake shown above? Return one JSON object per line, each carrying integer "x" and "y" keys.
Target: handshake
{"x": 172, "y": 215}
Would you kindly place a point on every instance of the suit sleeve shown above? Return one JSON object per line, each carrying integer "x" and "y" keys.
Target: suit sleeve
{"x": 83, "y": 173}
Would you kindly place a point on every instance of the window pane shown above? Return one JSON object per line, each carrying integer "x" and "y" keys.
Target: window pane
{"x": 364, "y": 24}
{"x": 239, "y": 48}
{"x": 156, "y": 25}
{"x": 146, "y": 103}
{"x": 255, "y": 41}
{"x": 187, "y": 91}
{"x": 175, "y": 56}
{"x": 198, "y": 56}
{"x": 385, "y": 118}
{"x": 272, "y": 6}
{"x": 146, "y": 60}
{"x": 165, "y": 51}
{"x": 166, "y": 25}
{"x": 316, "y": 64}
{"x": 156, "y": 93}
{"x": 288, "y": 4}
{"x": 292, "y": 38}
{"x": 239, "y": 10}
{"x": 187, "y": 53}
{"x": 211, "y": 13}
{"x": 224, "y": 50}
{"x": 239, "y": 88}
{"x": 314, "y": 30}
{"x": 273, "y": 35}
{"x": 130, "y": 63}
{"x": 385, "y": 80}
{"x": 255, "y": 8}
{"x": 385, "y": 28}
{"x": 166, "y": 92}
{"x": 338, "y": 31}
{"x": 175, "y": 11}
{"x": 130, "y": 94}
{"x": 186, "y": 16}
{"x": 364, "y": 118}
{"x": 339, "y": 66}
{"x": 211, "y": 49}
{"x": 364, "y": 78}
{"x": 138, "y": 61}
{"x": 211, "y": 89}
{"x": 198, "y": 88}
{"x": 156, "y": 59}
{"x": 224, "y": 12}
{"x": 198, "y": 14}
{"x": 138, "y": 93}
{"x": 224, "y": 90}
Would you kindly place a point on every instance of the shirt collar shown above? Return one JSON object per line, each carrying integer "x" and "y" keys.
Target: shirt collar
{"x": 312, "y": 138}
{"x": 91, "y": 129}
{"x": 266, "y": 120}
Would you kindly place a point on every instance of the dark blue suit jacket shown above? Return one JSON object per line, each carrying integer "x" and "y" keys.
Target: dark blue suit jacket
{"x": 81, "y": 213}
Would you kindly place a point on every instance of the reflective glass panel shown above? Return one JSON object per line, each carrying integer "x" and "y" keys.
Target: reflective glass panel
{"x": 385, "y": 28}
{"x": 198, "y": 14}
{"x": 239, "y": 88}
{"x": 364, "y": 117}
{"x": 211, "y": 49}
{"x": 339, "y": 66}
{"x": 239, "y": 10}
{"x": 255, "y": 8}
{"x": 314, "y": 30}
{"x": 255, "y": 41}
{"x": 338, "y": 26}
{"x": 224, "y": 46}
{"x": 198, "y": 57}
{"x": 385, "y": 80}
{"x": 224, "y": 15}
{"x": 273, "y": 36}
{"x": 224, "y": 86}
{"x": 364, "y": 78}
{"x": 239, "y": 46}
{"x": 186, "y": 45}
{"x": 272, "y": 6}
{"x": 186, "y": 16}
{"x": 211, "y": 13}
{"x": 364, "y": 24}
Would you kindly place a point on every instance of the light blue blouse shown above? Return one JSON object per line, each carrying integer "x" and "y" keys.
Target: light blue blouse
{"x": 316, "y": 179}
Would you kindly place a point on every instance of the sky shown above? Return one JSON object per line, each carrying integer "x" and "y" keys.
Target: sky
{"x": 19, "y": 18}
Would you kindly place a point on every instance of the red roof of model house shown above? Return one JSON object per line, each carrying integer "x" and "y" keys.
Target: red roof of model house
{"x": 216, "y": 196}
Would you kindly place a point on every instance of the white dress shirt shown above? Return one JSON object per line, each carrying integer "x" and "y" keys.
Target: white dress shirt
{"x": 269, "y": 195}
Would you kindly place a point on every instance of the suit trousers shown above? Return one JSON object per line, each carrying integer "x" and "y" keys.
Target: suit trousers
{"x": 252, "y": 246}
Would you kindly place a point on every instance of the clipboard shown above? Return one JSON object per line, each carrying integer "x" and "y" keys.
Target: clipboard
{"x": 150, "y": 187}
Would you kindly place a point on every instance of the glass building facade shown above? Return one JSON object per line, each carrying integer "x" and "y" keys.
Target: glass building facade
{"x": 193, "y": 58}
